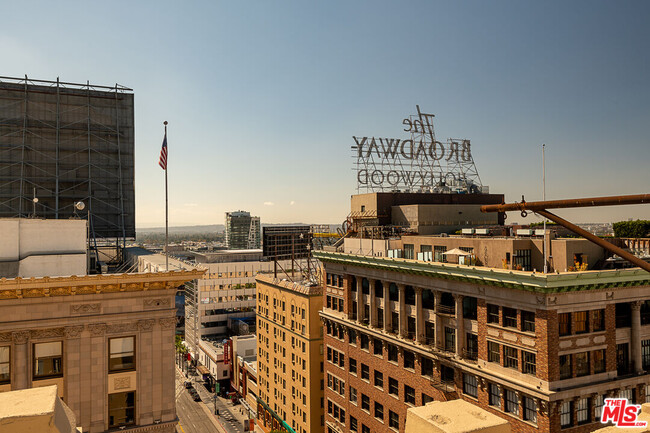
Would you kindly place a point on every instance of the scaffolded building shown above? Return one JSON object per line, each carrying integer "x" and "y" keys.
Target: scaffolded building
{"x": 242, "y": 231}
{"x": 63, "y": 143}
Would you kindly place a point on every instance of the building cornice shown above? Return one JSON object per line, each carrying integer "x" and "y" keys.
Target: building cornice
{"x": 17, "y": 288}
{"x": 528, "y": 281}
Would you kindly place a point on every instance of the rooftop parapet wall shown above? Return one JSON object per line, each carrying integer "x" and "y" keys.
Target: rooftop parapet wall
{"x": 290, "y": 285}
{"x": 528, "y": 281}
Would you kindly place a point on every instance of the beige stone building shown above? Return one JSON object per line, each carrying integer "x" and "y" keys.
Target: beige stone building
{"x": 106, "y": 341}
{"x": 289, "y": 356}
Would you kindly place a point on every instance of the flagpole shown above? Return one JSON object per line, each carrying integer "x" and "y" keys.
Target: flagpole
{"x": 166, "y": 211}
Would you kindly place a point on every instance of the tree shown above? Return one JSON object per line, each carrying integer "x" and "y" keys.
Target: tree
{"x": 632, "y": 229}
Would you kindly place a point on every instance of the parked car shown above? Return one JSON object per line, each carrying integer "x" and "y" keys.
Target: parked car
{"x": 188, "y": 384}
{"x": 197, "y": 397}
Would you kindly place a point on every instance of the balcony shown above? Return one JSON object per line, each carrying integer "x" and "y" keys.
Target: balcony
{"x": 444, "y": 386}
{"x": 446, "y": 309}
{"x": 471, "y": 355}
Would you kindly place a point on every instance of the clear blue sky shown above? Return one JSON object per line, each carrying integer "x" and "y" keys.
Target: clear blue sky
{"x": 263, "y": 97}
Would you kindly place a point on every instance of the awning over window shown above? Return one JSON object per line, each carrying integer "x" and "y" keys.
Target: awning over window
{"x": 202, "y": 370}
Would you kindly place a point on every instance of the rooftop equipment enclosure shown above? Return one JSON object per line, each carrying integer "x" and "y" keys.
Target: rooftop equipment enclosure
{"x": 63, "y": 143}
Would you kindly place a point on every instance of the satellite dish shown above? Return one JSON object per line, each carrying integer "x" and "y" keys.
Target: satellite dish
{"x": 35, "y": 199}
{"x": 79, "y": 205}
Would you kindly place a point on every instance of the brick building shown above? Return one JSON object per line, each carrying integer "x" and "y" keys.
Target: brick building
{"x": 540, "y": 350}
{"x": 289, "y": 356}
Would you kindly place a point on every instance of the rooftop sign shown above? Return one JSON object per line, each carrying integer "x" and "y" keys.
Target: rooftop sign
{"x": 419, "y": 163}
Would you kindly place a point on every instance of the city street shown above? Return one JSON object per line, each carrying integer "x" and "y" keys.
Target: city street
{"x": 197, "y": 417}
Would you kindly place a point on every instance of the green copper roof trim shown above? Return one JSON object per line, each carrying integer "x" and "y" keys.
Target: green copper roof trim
{"x": 529, "y": 281}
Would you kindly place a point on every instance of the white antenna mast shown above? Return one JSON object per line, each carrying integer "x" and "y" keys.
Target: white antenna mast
{"x": 544, "y": 198}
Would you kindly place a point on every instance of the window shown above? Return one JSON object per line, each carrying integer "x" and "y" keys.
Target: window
{"x": 598, "y": 320}
{"x": 493, "y": 314}
{"x": 364, "y": 341}
{"x": 527, "y": 321}
{"x": 352, "y": 335}
{"x": 469, "y": 385}
{"x": 409, "y": 251}
{"x": 426, "y": 365}
{"x": 393, "y": 420}
{"x": 599, "y": 361}
{"x": 530, "y": 410}
{"x": 353, "y": 395}
{"x": 122, "y": 354}
{"x": 469, "y": 307}
{"x": 580, "y": 322}
{"x": 392, "y": 353}
{"x": 48, "y": 361}
{"x": 365, "y": 428}
{"x": 365, "y": 372}
{"x": 438, "y": 253}
{"x": 121, "y": 409}
{"x": 510, "y": 358}
{"x": 495, "y": 395}
{"x": 353, "y": 424}
{"x": 512, "y": 403}
{"x": 494, "y": 354}
{"x": 521, "y": 260}
{"x": 377, "y": 347}
{"x": 353, "y": 365}
{"x": 5, "y": 371}
{"x": 582, "y": 363}
{"x": 582, "y": 411}
{"x": 379, "y": 379}
{"x": 379, "y": 411}
{"x": 450, "y": 339}
{"x": 447, "y": 374}
{"x": 566, "y": 411}
{"x": 529, "y": 362}
{"x": 564, "y": 322}
{"x": 409, "y": 394}
{"x": 472, "y": 345}
{"x": 409, "y": 359}
{"x": 426, "y": 399}
{"x": 565, "y": 367}
{"x": 599, "y": 400}
{"x": 393, "y": 387}
{"x": 509, "y": 317}
{"x": 365, "y": 402}
{"x": 627, "y": 393}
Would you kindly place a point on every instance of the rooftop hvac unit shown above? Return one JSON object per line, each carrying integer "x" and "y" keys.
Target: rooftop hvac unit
{"x": 524, "y": 232}
{"x": 539, "y": 232}
{"x": 467, "y": 231}
{"x": 482, "y": 231}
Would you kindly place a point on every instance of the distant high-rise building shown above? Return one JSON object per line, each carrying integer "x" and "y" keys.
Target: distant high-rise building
{"x": 242, "y": 231}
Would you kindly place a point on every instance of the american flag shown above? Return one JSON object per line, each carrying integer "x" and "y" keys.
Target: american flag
{"x": 163, "y": 154}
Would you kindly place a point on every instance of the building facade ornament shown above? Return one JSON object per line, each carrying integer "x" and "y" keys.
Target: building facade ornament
{"x": 73, "y": 331}
{"x": 97, "y": 329}
{"x": 168, "y": 322}
{"x": 46, "y": 333}
{"x": 146, "y": 325}
{"x": 5, "y": 337}
{"x": 20, "y": 337}
{"x": 156, "y": 302}
{"x": 93, "y": 308}
{"x": 117, "y": 328}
